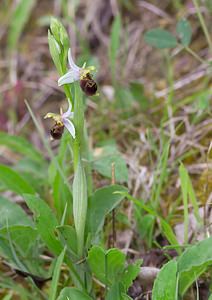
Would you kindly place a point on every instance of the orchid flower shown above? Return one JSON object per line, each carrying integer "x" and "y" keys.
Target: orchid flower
{"x": 61, "y": 120}
{"x": 83, "y": 74}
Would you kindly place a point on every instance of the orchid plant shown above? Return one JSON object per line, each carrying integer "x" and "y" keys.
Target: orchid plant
{"x": 82, "y": 252}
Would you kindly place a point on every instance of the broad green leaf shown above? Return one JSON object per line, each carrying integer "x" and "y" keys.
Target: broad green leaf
{"x": 166, "y": 282}
{"x": 114, "y": 292}
{"x": 19, "y": 18}
{"x": 96, "y": 260}
{"x": 46, "y": 222}
{"x": 115, "y": 264}
{"x": 67, "y": 236}
{"x": 188, "y": 278}
{"x": 137, "y": 91}
{"x": 107, "y": 266}
{"x": 23, "y": 237}
{"x": 130, "y": 273}
{"x": 14, "y": 182}
{"x": 20, "y": 145}
{"x": 103, "y": 201}
{"x": 193, "y": 262}
{"x": 12, "y": 214}
{"x": 104, "y": 159}
{"x": 62, "y": 197}
{"x": 32, "y": 168}
{"x": 16, "y": 245}
{"x": 184, "y": 31}
{"x": 69, "y": 293}
{"x": 160, "y": 38}
{"x": 19, "y": 245}
{"x": 56, "y": 275}
{"x": 210, "y": 297}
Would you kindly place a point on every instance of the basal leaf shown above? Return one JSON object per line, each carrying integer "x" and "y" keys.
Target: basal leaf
{"x": 100, "y": 204}
{"x": 160, "y": 38}
{"x": 130, "y": 273}
{"x": 184, "y": 31}
{"x": 12, "y": 214}
{"x": 69, "y": 293}
{"x": 105, "y": 157}
{"x": 166, "y": 282}
{"x": 20, "y": 145}
{"x": 68, "y": 238}
{"x": 46, "y": 222}
{"x": 193, "y": 262}
{"x": 107, "y": 266}
{"x": 14, "y": 182}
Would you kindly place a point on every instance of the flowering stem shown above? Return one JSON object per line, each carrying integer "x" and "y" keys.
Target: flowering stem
{"x": 80, "y": 180}
{"x": 202, "y": 22}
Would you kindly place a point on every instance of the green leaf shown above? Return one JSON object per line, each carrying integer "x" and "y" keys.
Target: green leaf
{"x": 188, "y": 193}
{"x": 17, "y": 243}
{"x": 80, "y": 203}
{"x": 106, "y": 265}
{"x": 184, "y": 31}
{"x": 115, "y": 264}
{"x": 12, "y": 214}
{"x": 35, "y": 173}
{"x": 24, "y": 237}
{"x": 100, "y": 204}
{"x": 62, "y": 196}
{"x": 166, "y": 282}
{"x": 145, "y": 225}
{"x": 188, "y": 278}
{"x": 67, "y": 236}
{"x": 137, "y": 91}
{"x": 14, "y": 182}
{"x": 19, "y": 18}
{"x": 114, "y": 42}
{"x": 96, "y": 260}
{"x": 46, "y": 222}
{"x": 160, "y": 38}
{"x": 193, "y": 262}
{"x": 55, "y": 52}
{"x": 69, "y": 293}
{"x": 108, "y": 155}
{"x": 130, "y": 273}
{"x": 20, "y": 145}
{"x": 56, "y": 275}
{"x": 114, "y": 292}
{"x": 169, "y": 234}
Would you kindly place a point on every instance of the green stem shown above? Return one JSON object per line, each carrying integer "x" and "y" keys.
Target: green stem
{"x": 202, "y": 22}
{"x": 86, "y": 155}
{"x": 76, "y": 153}
{"x": 189, "y": 50}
